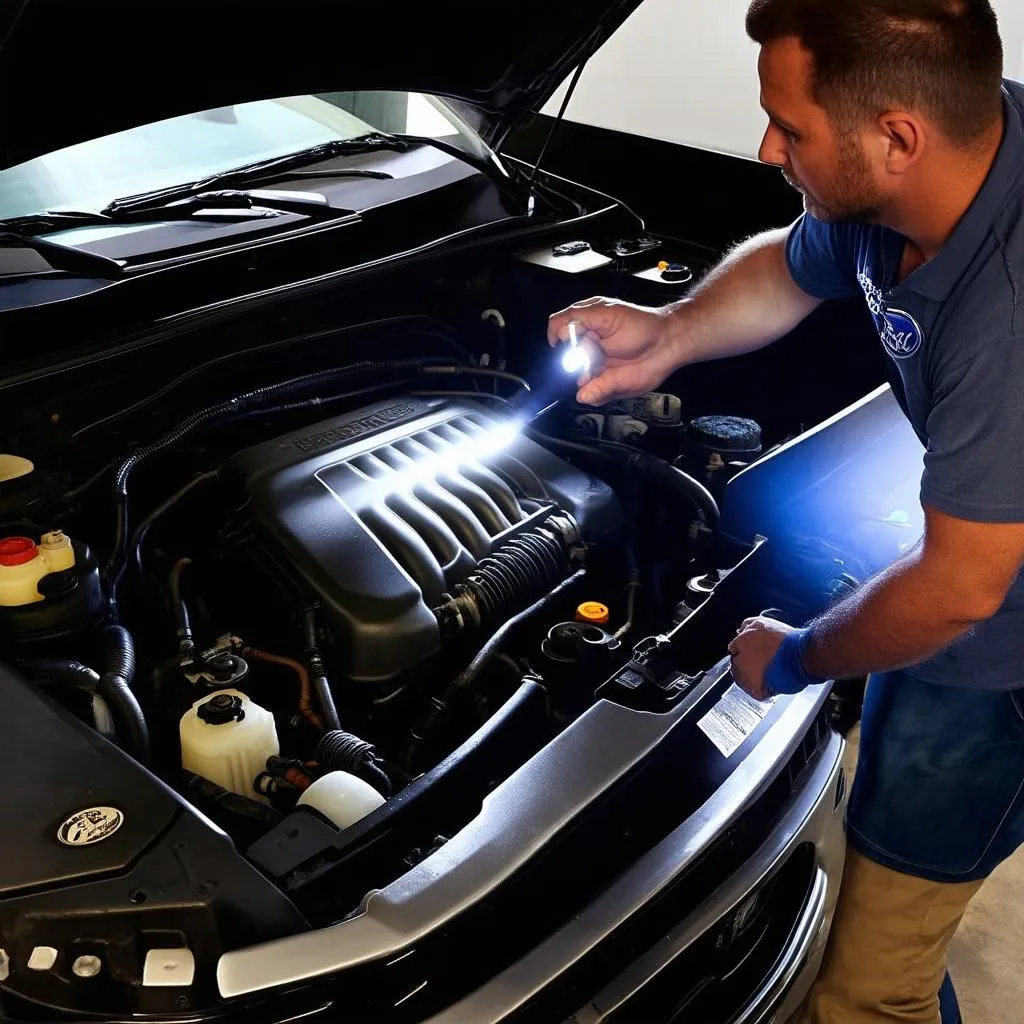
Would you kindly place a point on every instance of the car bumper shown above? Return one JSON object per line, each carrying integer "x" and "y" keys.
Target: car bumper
{"x": 814, "y": 818}
{"x": 810, "y": 827}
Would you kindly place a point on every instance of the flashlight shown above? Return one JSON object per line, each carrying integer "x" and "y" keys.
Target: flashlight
{"x": 558, "y": 379}
{"x": 575, "y": 359}
{"x": 580, "y": 358}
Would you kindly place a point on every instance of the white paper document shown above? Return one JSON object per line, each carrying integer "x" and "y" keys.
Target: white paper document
{"x": 733, "y": 719}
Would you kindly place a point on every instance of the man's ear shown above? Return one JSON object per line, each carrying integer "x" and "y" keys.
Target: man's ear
{"x": 903, "y": 139}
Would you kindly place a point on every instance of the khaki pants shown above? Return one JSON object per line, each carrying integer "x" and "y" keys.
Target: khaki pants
{"x": 886, "y": 956}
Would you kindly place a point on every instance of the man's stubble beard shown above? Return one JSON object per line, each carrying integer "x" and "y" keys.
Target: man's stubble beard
{"x": 854, "y": 194}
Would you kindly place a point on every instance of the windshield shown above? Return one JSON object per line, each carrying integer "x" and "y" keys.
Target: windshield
{"x": 183, "y": 149}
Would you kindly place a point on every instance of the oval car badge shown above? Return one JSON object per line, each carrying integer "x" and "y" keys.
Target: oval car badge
{"x": 91, "y": 825}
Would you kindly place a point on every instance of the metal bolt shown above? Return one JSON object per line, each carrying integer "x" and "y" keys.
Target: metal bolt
{"x": 86, "y": 966}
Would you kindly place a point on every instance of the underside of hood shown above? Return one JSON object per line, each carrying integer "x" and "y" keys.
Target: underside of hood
{"x": 73, "y": 71}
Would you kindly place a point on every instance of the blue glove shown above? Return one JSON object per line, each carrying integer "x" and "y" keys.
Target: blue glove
{"x": 785, "y": 672}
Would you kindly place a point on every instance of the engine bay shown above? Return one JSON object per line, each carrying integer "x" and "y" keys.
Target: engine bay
{"x": 307, "y": 610}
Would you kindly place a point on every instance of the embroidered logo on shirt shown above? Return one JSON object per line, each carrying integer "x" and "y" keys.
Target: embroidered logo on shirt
{"x": 901, "y": 334}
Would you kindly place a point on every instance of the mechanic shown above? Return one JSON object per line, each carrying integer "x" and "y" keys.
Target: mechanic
{"x": 892, "y": 119}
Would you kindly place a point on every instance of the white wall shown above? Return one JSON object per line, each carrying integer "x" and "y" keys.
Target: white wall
{"x": 685, "y": 71}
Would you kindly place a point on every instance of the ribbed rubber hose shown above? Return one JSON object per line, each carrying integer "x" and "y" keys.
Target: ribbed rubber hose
{"x": 343, "y": 751}
{"x": 115, "y": 688}
{"x": 439, "y": 704}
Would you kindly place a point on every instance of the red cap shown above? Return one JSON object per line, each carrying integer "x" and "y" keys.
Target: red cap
{"x": 17, "y": 550}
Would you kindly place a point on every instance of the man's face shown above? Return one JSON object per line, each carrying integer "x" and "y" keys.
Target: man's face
{"x": 829, "y": 168}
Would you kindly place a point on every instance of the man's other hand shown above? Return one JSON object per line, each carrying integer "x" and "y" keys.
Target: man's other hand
{"x": 756, "y": 644}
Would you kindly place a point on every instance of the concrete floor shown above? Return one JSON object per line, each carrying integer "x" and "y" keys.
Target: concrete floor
{"x": 986, "y": 960}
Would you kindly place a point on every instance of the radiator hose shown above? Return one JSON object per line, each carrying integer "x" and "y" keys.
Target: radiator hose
{"x": 115, "y": 688}
{"x": 439, "y": 705}
{"x": 76, "y": 676}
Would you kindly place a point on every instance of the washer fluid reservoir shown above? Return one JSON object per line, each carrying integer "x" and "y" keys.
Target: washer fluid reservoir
{"x": 23, "y": 563}
{"x": 227, "y": 739}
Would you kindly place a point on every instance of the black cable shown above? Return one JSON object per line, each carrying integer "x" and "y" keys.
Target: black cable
{"x": 319, "y": 402}
{"x": 632, "y": 586}
{"x": 240, "y": 404}
{"x": 77, "y": 492}
{"x": 210, "y": 414}
{"x": 317, "y": 672}
{"x": 478, "y": 371}
{"x": 249, "y": 353}
{"x": 143, "y": 528}
{"x": 664, "y": 472}
{"x": 179, "y": 606}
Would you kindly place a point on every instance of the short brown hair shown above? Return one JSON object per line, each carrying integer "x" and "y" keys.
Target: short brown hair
{"x": 942, "y": 57}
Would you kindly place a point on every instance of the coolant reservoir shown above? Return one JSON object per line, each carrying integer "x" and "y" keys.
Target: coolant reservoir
{"x": 23, "y": 563}
{"x": 341, "y": 797}
{"x": 227, "y": 739}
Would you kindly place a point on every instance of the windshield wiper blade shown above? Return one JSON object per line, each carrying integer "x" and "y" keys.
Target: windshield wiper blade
{"x": 65, "y": 257}
{"x": 275, "y": 165}
{"x": 221, "y": 204}
{"x": 218, "y": 203}
{"x": 53, "y": 220}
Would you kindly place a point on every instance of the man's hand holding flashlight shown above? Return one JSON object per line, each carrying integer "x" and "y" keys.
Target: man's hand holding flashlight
{"x": 624, "y": 350}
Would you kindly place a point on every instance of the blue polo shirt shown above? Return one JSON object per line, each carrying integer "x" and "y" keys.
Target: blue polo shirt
{"x": 953, "y": 332}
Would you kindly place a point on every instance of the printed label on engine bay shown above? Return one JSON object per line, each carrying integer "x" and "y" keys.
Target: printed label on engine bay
{"x": 733, "y": 719}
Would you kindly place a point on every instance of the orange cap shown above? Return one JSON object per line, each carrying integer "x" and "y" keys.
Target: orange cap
{"x": 592, "y": 611}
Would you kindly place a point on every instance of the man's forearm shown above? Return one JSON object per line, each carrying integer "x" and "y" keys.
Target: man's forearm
{"x": 748, "y": 301}
{"x": 901, "y": 617}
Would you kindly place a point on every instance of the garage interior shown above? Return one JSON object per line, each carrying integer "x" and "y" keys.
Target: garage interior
{"x": 408, "y": 609}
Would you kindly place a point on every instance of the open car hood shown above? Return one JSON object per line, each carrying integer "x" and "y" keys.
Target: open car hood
{"x": 70, "y": 71}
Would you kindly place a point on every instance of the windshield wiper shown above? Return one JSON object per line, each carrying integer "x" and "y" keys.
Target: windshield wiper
{"x": 220, "y": 204}
{"x": 25, "y": 232}
{"x": 64, "y": 257}
{"x": 280, "y": 168}
{"x": 265, "y": 168}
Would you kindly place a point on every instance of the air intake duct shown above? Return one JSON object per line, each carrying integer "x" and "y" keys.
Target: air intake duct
{"x": 517, "y": 573}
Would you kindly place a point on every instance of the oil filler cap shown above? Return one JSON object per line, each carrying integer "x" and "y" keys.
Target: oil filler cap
{"x": 221, "y": 708}
{"x": 592, "y": 611}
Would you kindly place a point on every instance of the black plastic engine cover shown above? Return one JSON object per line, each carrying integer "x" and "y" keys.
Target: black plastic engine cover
{"x": 98, "y": 858}
{"x": 375, "y": 514}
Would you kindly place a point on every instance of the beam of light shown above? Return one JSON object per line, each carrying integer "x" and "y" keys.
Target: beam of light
{"x": 576, "y": 361}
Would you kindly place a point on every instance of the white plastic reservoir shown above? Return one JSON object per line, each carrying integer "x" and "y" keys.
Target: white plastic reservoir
{"x": 341, "y": 798}
{"x": 227, "y": 739}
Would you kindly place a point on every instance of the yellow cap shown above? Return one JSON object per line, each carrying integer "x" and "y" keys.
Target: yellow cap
{"x": 663, "y": 265}
{"x": 592, "y": 611}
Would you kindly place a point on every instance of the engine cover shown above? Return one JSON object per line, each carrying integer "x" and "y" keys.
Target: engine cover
{"x": 375, "y": 514}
